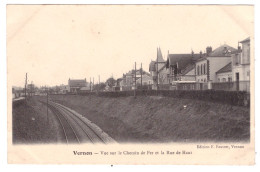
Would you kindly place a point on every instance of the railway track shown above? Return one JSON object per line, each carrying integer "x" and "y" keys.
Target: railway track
{"x": 76, "y": 128}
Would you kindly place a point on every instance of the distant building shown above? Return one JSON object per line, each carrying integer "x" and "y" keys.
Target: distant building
{"x": 64, "y": 89}
{"x": 75, "y": 85}
{"x": 241, "y": 66}
{"x": 241, "y": 62}
{"x": 30, "y": 89}
{"x": 181, "y": 67}
{"x": 127, "y": 82}
{"x": 158, "y": 70}
{"x": 225, "y": 73}
{"x": 146, "y": 80}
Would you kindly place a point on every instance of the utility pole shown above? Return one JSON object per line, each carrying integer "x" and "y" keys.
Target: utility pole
{"x": 25, "y": 85}
{"x": 93, "y": 82}
{"x": 135, "y": 82}
{"x": 31, "y": 89}
{"x": 157, "y": 73}
{"x": 141, "y": 77}
{"x": 47, "y": 101}
{"x": 98, "y": 82}
{"x": 90, "y": 83}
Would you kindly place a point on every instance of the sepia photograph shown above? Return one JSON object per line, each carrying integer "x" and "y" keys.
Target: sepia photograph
{"x": 102, "y": 76}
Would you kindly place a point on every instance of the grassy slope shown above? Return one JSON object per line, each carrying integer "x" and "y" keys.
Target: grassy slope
{"x": 160, "y": 119}
{"x": 30, "y": 124}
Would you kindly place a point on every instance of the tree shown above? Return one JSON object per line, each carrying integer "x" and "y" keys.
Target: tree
{"x": 99, "y": 87}
{"x": 111, "y": 82}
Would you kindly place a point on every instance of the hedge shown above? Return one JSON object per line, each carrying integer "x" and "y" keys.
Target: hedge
{"x": 236, "y": 98}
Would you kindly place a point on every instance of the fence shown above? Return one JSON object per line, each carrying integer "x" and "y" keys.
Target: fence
{"x": 237, "y": 98}
{"x": 232, "y": 86}
{"x": 226, "y": 86}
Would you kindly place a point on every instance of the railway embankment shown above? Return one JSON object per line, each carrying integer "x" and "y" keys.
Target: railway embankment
{"x": 162, "y": 119}
{"x": 32, "y": 125}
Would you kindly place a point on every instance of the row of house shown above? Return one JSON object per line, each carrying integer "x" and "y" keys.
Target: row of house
{"x": 129, "y": 79}
{"x": 225, "y": 67}
{"x": 224, "y": 64}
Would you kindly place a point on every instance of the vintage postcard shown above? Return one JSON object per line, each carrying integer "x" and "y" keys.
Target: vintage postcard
{"x": 131, "y": 84}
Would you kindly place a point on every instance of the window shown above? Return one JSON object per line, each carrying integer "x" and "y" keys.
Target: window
{"x": 223, "y": 79}
{"x": 204, "y": 68}
{"x": 198, "y": 70}
{"x": 201, "y": 71}
{"x": 218, "y": 79}
{"x": 248, "y": 55}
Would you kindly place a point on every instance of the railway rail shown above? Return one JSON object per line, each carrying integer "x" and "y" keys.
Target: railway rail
{"x": 76, "y": 128}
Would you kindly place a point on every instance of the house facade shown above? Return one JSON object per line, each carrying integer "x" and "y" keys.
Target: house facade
{"x": 64, "y": 89}
{"x": 146, "y": 80}
{"x": 225, "y": 73}
{"x": 127, "y": 82}
{"x": 181, "y": 67}
{"x": 241, "y": 62}
{"x": 241, "y": 66}
{"x": 207, "y": 66}
{"x": 74, "y": 85}
{"x": 158, "y": 71}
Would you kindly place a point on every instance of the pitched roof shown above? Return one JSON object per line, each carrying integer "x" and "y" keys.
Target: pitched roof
{"x": 152, "y": 66}
{"x": 77, "y": 82}
{"x": 159, "y": 58}
{"x": 227, "y": 68}
{"x": 245, "y": 40}
{"x": 183, "y": 60}
{"x": 223, "y": 50}
{"x": 188, "y": 68}
{"x": 159, "y": 55}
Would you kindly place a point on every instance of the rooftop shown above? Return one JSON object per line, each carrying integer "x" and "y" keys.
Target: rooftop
{"x": 183, "y": 60}
{"x": 245, "y": 40}
{"x": 227, "y": 68}
{"x": 223, "y": 50}
{"x": 77, "y": 82}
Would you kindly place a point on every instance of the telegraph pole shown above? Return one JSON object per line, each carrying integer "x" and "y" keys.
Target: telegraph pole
{"x": 93, "y": 82}
{"x": 135, "y": 82}
{"x": 90, "y": 83}
{"x": 98, "y": 82}
{"x": 141, "y": 77}
{"x": 25, "y": 85}
{"x": 157, "y": 73}
{"x": 47, "y": 101}
{"x": 31, "y": 89}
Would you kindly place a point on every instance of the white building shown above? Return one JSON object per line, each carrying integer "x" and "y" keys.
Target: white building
{"x": 213, "y": 61}
{"x": 241, "y": 66}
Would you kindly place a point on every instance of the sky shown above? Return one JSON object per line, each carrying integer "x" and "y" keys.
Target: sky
{"x": 53, "y": 43}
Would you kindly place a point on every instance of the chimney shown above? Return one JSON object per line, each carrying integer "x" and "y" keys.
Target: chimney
{"x": 208, "y": 50}
{"x": 200, "y": 53}
{"x": 239, "y": 49}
